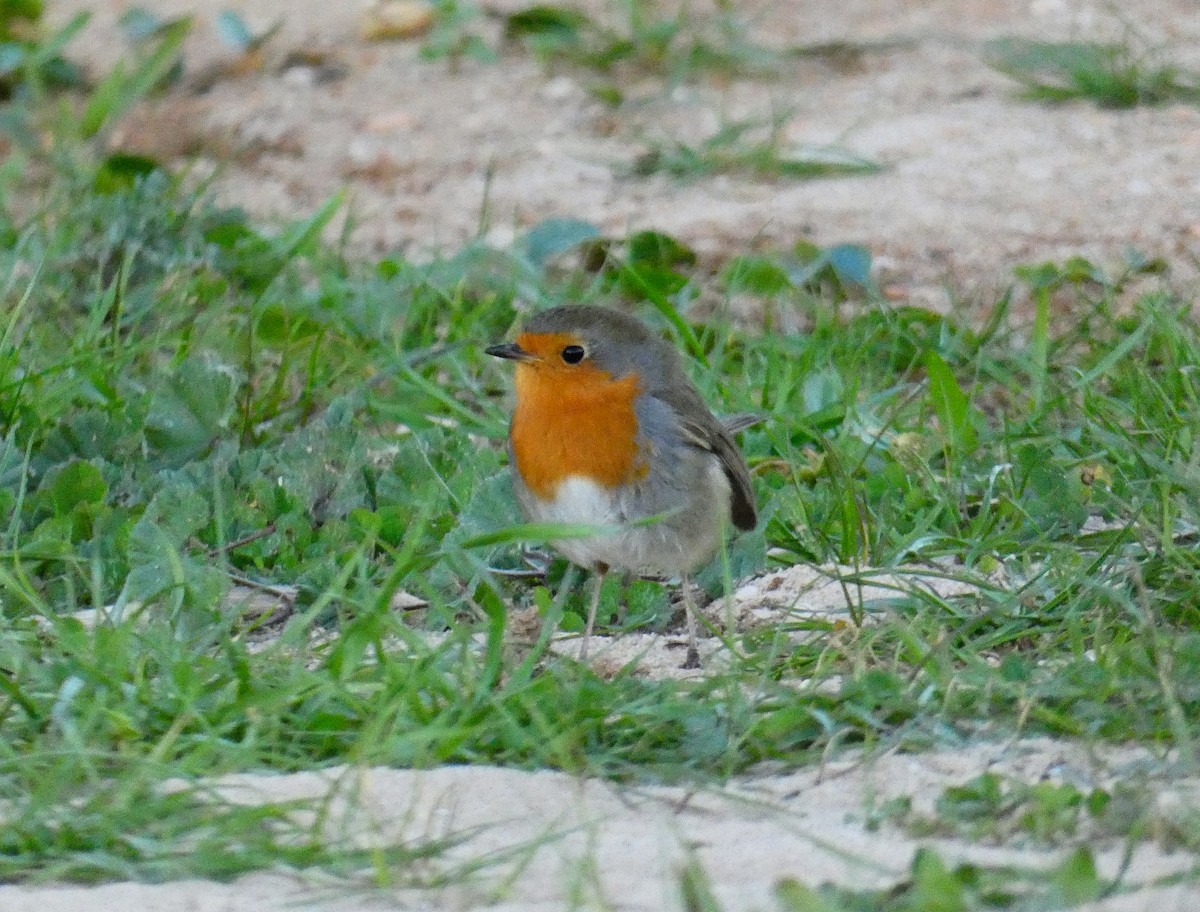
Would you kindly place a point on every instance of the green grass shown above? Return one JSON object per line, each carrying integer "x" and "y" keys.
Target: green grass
{"x": 189, "y": 399}
{"x": 644, "y": 37}
{"x": 1118, "y": 75}
{"x": 177, "y": 381}
{"x": 935, "y": 884}
{"x": 25, "y": 55}
{"x": 1006, "y": 810}
{"x": 734, "y": 150}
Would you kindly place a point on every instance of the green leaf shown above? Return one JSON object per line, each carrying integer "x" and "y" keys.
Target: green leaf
{"x": 696, "y": 888}
{"x": 120, "y": 171}
{"x": 653, "y": 283}
{"x": 822, "y": 389}
{"x": 811, "y": 262}
{"x": 156, "y": 565}
{"x": 852, "y": 264}
{"x": 793, "y": 896}
{"x": 551, "y": 237}
{"x": 950, "y": 404}
{"x": 1048, "y": 57}
{"x": 755, "y": 275}
{"x": 787, "y": 728}
{"x": 934, "y": 887}
{"x": 232, "y": 29}
{"x": 653, "y": 248}
{"x": 51, "y": 540}
{"x": 20, "y": 9}
{"x": 1076, "y": 878}
{"x": 159, "y": 569}
{"x": 79, "y": 482}
{"x": 193, "y": 411}
{"x": 138, "y": 23}
{"x": 286, "y": 322}
{"x": 560, "y": 23}
{"x": 179, "y": 510}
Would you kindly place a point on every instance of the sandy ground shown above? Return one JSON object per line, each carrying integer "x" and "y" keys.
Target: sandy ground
{"x": 975, "y": 183}
{"x": 551, "y": 842}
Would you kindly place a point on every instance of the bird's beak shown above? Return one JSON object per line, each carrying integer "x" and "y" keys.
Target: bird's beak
{"x": 512, "y": 351}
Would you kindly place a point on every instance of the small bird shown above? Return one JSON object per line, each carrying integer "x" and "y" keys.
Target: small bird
{"x": 608, "y": 430}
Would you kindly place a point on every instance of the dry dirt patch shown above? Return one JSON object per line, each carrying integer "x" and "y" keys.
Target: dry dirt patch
{"x": 840, "y": 596}
{"x": 552, "y": 842}
{"x": 976, "y": 181}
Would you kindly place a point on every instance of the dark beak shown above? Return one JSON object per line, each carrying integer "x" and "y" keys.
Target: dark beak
{"x": 512, "y": 351}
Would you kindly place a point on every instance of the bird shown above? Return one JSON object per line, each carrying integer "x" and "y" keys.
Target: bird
{"x": 609, "y": 431}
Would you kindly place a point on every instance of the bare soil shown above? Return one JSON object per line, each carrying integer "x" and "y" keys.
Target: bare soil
{"x": 549, "y": 842}
{"x": 976, "y": 180}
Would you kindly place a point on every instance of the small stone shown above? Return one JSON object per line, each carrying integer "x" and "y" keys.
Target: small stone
{"x": 380, "y": 170}
{"x": 299, "y": 77}
{"x": 396, "y": 19}
{"x": 361, "y": 151}
{"x": 406, "y": 601}
{"x": 390, "y": 122}
{"x": 559, "y": 89}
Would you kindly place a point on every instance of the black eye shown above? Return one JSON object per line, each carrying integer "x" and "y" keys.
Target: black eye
{"x": 573, "y": 354}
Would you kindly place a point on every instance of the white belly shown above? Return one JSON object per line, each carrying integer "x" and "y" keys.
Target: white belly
{"x": 674, "y": 544}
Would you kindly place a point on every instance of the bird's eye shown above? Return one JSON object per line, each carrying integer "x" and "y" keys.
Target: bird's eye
{"x": 573, "y": 354}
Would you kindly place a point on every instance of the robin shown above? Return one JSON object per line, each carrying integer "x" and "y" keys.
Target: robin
{"x": 609, "y": 431}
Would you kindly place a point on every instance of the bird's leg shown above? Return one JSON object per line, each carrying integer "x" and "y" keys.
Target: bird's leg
{"x": 597, "y": 584}
{"x": 693, "y": 652}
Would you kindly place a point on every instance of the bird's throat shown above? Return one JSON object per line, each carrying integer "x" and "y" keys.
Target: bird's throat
{"x": 581, "y": 424}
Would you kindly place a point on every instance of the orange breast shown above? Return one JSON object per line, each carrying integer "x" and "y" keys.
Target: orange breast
{"x": 581, "y": 423}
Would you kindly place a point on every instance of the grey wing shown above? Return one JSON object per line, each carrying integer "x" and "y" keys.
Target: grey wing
{"x": 701, "y": 429}
{"x": 735, "y": 424}
{"x": 712, "y": 436}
